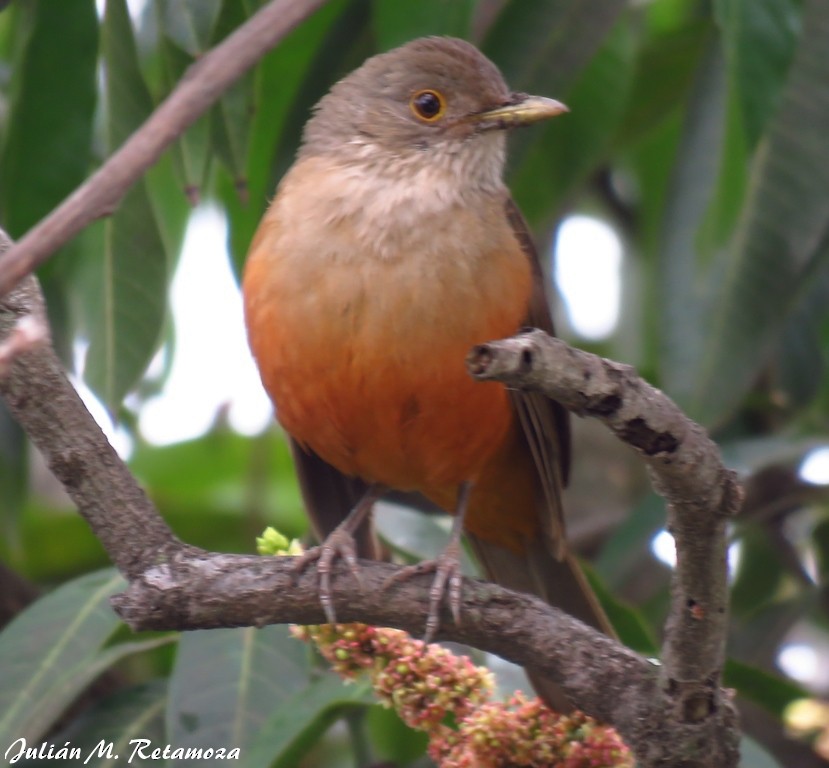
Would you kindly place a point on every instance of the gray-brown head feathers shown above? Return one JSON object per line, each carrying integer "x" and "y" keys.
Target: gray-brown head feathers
{"x": 372, "y": 105}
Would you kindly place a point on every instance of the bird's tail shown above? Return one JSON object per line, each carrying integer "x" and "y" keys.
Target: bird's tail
{"x": 561, "y": 583}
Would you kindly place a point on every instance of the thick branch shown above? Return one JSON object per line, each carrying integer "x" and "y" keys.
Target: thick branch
{"x": 39, "y": 396}
{"x": 686, "y": 469}
{"x": 201, "y": 86}
{"x": 173, "y": 586}
{"x": 603, "y": 678}
{"x": 176, "y": 587}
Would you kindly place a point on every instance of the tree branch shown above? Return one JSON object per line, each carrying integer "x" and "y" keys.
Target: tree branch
{"x": 603, "y": 678}
{"x": 39, "y": 396}
{"x": 674, "y": 716}
{"x": 174, "y": 586}
{"x": 685, "y": 468}
{"x": 200, "y": 87}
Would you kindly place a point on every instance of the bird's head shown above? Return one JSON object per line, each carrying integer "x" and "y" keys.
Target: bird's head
{"x": 433, "y": 100}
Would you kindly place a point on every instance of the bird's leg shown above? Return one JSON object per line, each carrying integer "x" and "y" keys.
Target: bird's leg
{"x": 339, "y": 544}
{"x": 446, "y": 567}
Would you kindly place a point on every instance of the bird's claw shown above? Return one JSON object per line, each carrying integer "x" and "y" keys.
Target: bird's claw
{"x": 340, "y": 545}
{"x": 448, "y": 581}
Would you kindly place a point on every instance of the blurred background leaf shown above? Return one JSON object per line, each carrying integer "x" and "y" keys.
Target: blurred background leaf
{"x": 48, "y": 654}
{"x": 128, "y": 281}
{"x": 693, "y": 171}
{"x": 226, "y": 682}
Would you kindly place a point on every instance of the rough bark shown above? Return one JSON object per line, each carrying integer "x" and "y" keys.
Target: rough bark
{"x": 671, "y": 715}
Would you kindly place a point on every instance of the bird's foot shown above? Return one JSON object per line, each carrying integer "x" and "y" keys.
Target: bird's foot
{"x": 448, "y": 581}
{"x": 339, "y": 545}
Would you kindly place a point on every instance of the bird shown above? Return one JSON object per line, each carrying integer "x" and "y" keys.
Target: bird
{"x": 391, "y": 248}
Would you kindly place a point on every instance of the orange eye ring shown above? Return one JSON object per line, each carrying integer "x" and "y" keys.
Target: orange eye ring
{"x": 428, "y": 105}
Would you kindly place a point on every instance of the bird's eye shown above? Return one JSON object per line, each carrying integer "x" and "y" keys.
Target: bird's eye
{"x": 428, "y": 106}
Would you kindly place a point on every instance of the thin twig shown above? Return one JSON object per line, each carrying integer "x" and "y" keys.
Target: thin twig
{"x": 685, "y": 467}
{"x": 201, "y": 86}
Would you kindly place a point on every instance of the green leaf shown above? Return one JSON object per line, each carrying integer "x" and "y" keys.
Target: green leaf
{"x": 226, "y": 682}
{"x": 14, "y": 478}
{"x": 56, "y": 544}
{"x": 230, "y": 119}
{"x": 48, "y": 122}
{"x": 759, "y": 575}
{"x": 801, "y": 357}
{"x": 127, "y": 280}
{"x": 107, "y": 728}
{"x": 820, "y": 539}
{"x": 782, "y": 237}
{"x": 752, "y": 755}
{"x": 393, "y": 740}
{"x": 397, "y": 21}
{"x": 650, "y": 161}
{"x": 279, "y": 77}
{"x": 542, "y": 46}
{"x": 128, "y": 101}
{"x": 631, "y": 541}
{"x": 757, "y": 638}
{"x": 47, "y": 148}
{"x": 299, "y": 722}
{"x": 769, "y": 691}
{"x": 171, "y": 208}
{"x": 9, "y": 35}
{"x": 189, "y": 23}
{"x": 759, "y": 38}
{"x": 416, "y": 535}
{"x": 127, "y": 287}
{"x": 222, "y": 475}
{"x": 573, "y": 145}
{"x": 50, "y": 653}
{"x": 629, "y": 624}
{"x": 191, "y": 152}
{"x": 684, "y": 289}
{"x": 664, "y": 73}
{"x": 345, "y": 46}
{"x": 725, "y": 205}
{"x": 759, "y": 43}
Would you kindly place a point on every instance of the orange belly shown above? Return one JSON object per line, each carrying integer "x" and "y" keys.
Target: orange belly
{"x": 394, "y": 408}
{"x": 363, "y": 353}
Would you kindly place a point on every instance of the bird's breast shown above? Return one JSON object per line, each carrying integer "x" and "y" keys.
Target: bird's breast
{"x": 360, "y": 318}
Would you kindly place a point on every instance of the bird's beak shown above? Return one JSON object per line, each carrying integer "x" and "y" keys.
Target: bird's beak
{"x": 520, "y": 110}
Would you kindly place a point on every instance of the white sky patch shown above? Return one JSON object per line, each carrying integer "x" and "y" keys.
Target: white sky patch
{"x": 803, "y": 656}
{"x": 588, "y": 261}
{"x": 663, "y": 548}
{"x": 212, "y": 366}
{"x": 118, "y": 437}
{"x": 799, "y": 661}
{"x": 815, "y": 467}
{"x": 735, "y": 552}
{"x": 135, "y": 7}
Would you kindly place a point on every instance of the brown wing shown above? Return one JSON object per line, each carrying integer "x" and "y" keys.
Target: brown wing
{"x": 329, "y": 496}
{"x": 545, "y": 423}
{"x": 545, "y": 568}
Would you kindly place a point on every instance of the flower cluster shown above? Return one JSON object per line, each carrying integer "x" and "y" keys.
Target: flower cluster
{"x": 425, "y": 684}
{"x": 272, "y": 542}
{"x": 527, "y": 733}
{"x": 450, "y": 699}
